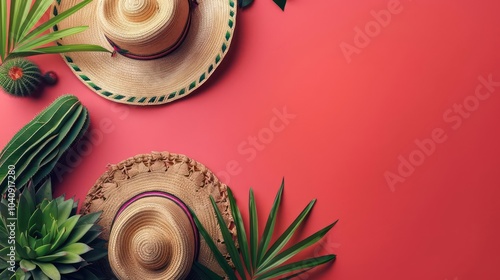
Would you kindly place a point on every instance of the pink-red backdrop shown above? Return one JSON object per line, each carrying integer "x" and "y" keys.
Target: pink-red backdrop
{"x": 368, "y": 98}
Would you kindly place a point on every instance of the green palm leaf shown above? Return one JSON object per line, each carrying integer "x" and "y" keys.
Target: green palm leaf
{"x": 217, "y": 254}
{"x": 240, "y": 228}
{"x": 271, "y": 263}
{"x": 271, "y": 221}
{"x": 22, "y": 39}
{"x": 254, "y": 229}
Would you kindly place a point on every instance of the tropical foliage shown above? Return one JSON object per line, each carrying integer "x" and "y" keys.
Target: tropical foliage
{"x": 37, "y": 147}
{"x": 19, "y": 36}
{"x": 256, "y": 258}
{"x": 43, "y": 238}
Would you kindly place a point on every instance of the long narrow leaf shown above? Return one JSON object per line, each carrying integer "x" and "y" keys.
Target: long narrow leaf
{"x": 228, "y": 240}
{"x": 217, "y": 254}
{"x": 269, "y": 229}
{"x": 296, "y": 266}
{"x": 59, "y": 49}
{"x": 24, "y": 8}
{"x": 53, "y": 21}
{"x": 13, "y": 20}
{"x": 254, "y": 229}
{"x": 50, "y": 37}
{"x": 36, "y": 12}
{"x": 240, "y": 228}
{"x": 3, "y": 29}
{"x": 285, "y": 237}
{"x": 295, "y": 274}
{"x": 206, "y": 272}
{"x": 295, "y": 249}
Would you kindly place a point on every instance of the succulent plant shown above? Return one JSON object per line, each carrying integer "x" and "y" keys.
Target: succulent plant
{"x": 37, "y": 147}
{"x": 44, "y": 238}
{"x": 259, "y": 260}
{"x": 20, "y": 77}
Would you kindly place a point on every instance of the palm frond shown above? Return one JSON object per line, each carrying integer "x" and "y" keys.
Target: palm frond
{"x": 254, "y": 258}
{"x": 19, "y": 37}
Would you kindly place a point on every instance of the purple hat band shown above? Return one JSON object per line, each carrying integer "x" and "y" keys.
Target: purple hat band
{"x": 177, "y": 201}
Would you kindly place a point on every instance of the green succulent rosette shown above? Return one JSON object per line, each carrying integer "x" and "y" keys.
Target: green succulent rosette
{"x": 43, "y": 238}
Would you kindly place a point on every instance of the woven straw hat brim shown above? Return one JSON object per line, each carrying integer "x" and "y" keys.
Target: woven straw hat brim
{"x": 150, "y": 82}
{"x": 189, "y": 181}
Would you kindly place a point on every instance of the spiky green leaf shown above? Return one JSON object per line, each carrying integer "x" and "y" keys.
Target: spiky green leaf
{"x": 285, "y": 237}
{"x": 228, "y": 240}
{"x": 217, "y": 254}
{"x": 240, "y": 229}
{"x": 296, "y": 266}
{"x": 271, "y": 221}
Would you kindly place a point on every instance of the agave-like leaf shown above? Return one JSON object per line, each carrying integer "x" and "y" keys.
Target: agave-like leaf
{"x": 64, "y": 209}
{"x": 70, "y": 258}
{"x": 78, "y": 232}
{"x": 35, "y": 14}
{"x": 76, "y": 248}
{"x": 27, "y": 265}
{"x": 50, "y": 270}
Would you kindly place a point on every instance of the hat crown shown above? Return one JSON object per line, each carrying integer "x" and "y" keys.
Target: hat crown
{"x": 144, "y": 28}
{"x": 152, "y": 237}
{"x": 153, "y": 249}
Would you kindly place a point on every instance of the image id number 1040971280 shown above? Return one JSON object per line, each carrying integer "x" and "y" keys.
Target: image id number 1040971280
{"x": 12, "y": 217}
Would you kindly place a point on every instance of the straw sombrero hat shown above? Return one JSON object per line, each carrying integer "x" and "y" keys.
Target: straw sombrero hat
{"x": 145, "y": 202}
{"x": 163, "y": 50}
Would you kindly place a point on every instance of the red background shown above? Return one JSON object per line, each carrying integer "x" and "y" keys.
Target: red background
{"x": 352, "y": 122}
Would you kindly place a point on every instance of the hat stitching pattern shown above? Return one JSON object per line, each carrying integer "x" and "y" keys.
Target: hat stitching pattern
{"x": 167, "y": 97}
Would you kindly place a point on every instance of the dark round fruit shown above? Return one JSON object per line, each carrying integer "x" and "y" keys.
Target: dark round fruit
{"x": 50, "y": 78}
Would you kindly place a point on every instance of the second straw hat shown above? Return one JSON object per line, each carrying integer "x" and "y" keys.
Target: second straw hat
{"x": 145, "y": 202}
{"x": 163, "y": 50}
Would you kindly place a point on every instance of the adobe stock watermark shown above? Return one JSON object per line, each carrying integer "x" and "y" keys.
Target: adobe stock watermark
{"x": 454, "y": 117}
{"x": 254, "y": 144}
{"x": 11, "y": 221}
{"x": 74, "y": 156}
{"x": 363, "y": 35}
{"x": 325, "y": 246}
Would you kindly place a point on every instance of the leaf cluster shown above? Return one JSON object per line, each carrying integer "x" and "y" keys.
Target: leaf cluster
{"x": 257, "y": 258}
{"x": 51, "y": 240}
{"x": 19, "y": 36}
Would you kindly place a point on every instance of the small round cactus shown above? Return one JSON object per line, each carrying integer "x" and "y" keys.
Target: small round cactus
{"x": 20, "y": 77}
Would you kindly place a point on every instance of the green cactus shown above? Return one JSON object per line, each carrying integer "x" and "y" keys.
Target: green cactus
{"x": 44, "y": 238}
{"x": 20, "y": 77}
{"x": 36, "y": 148}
